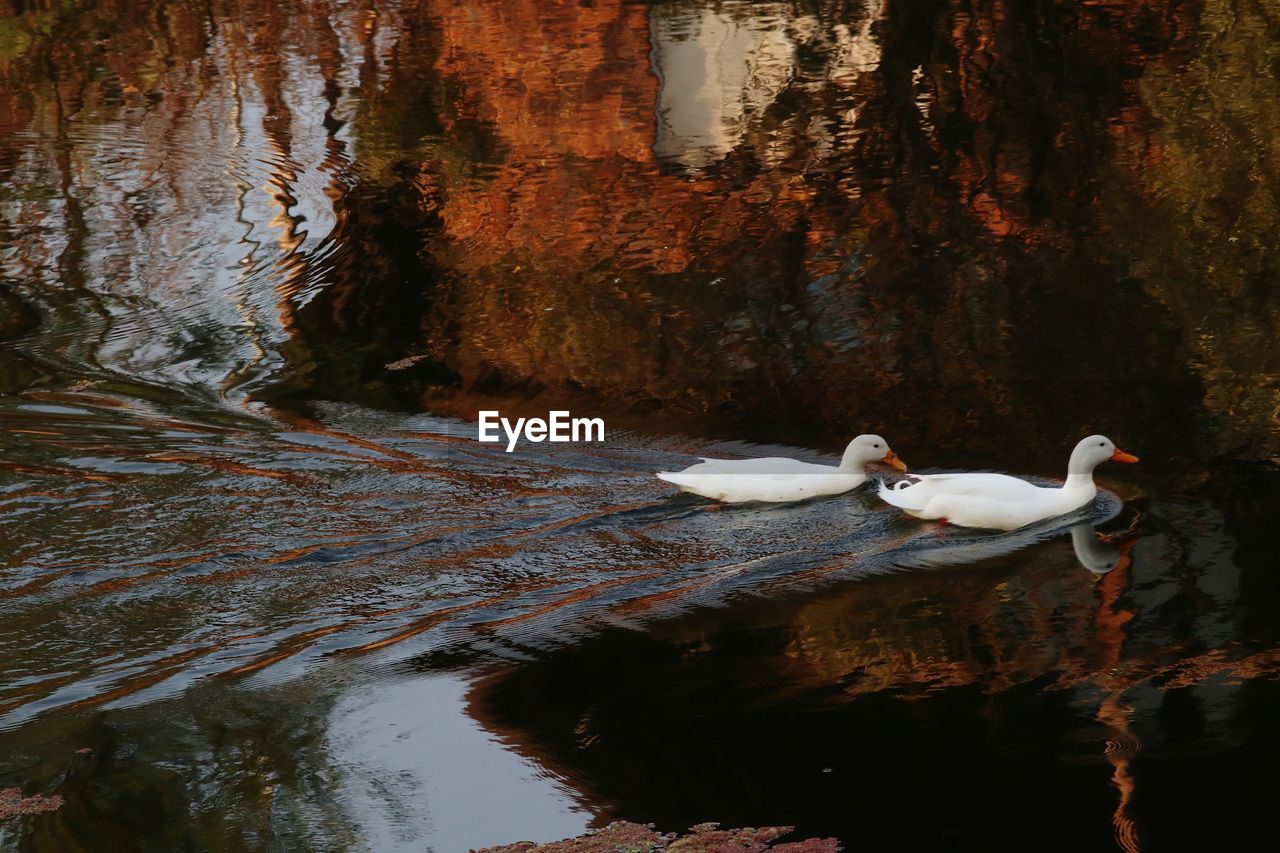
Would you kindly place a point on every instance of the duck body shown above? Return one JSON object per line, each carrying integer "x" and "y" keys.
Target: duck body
{"x": 994, "y": 501}
{"x": 776, "y": 479}
{"x": 771, "y": 480}
{"x": 999, "y": 501}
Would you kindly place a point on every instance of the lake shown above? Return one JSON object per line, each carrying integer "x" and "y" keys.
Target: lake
{"x": 263, "y": 265}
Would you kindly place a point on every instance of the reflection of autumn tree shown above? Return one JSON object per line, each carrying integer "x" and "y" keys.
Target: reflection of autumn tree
{"x": 949, "y": 221}
{"x": 225, "y": 778}
{"x": 192, "y": 160}
{"x": 1194, "y": 201}
{"x": 576, "y": 259}
{"x": 898, "y": 198}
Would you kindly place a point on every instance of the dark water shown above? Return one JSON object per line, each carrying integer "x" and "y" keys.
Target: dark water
{"x": 262, "y": 263}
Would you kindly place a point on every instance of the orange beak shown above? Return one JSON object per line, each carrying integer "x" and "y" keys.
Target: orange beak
{"x": 891, "y": 458}
{"x": 1121, "y": 456}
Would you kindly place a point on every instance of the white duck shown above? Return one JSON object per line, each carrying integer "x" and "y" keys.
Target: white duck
{"x": 1001, "y": 502}
{"x": 778, "y": 480}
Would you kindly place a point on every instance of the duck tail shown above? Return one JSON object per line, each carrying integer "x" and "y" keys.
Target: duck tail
{"x": 672, "y": 477}
{"x": 901, "y": 497}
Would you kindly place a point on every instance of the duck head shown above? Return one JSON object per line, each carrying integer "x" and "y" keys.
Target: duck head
{"x": 1093, "y": 451}
{"x": 866, "y": 449}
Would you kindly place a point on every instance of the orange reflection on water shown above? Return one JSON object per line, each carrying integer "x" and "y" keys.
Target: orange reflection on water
{"x": 1110, "y": 620}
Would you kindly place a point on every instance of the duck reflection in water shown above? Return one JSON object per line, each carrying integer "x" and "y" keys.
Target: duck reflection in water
{"x": 1097, "y": 552}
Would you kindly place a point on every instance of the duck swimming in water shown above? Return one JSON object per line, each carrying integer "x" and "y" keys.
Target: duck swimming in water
{"x": 1001, "y": 502}
{"x": 777, "y": 479}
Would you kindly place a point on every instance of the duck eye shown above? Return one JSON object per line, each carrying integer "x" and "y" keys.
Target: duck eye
{"x": 1102, "y": 444}
{"x": 877, "y": 447}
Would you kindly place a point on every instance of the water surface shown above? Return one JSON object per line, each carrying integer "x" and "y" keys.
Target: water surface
{"x": 262, "y": 263}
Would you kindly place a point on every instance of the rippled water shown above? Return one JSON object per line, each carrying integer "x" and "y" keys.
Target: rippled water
{"x": 262, "y": 264}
